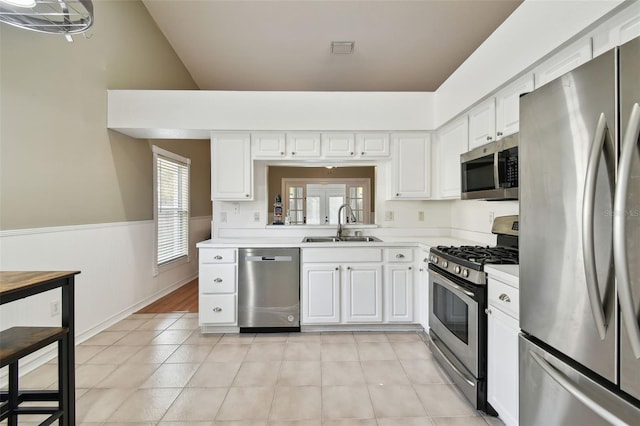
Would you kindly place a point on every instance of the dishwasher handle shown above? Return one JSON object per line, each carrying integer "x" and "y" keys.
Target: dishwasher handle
{"x": 269, "y": 258}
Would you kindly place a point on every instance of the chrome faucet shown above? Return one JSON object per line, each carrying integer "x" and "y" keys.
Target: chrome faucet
{"x": 352, "y": 216}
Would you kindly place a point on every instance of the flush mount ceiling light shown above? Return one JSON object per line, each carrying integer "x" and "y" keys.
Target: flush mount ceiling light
{"x": 342, "y": 47}
{"x": 20, "y": 3}
{"x": 48, "y": 16}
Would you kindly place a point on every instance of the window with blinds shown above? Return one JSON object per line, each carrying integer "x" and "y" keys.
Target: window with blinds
{"x": 171, "y": 206}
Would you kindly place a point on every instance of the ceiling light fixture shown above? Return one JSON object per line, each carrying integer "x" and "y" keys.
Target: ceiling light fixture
{"x": 342, "y": 47}
{"x": 48, "y": 16}
{"x": 20, "y": 3}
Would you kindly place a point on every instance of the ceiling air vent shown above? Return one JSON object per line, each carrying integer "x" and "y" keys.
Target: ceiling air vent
{"x": 341, "y": 47}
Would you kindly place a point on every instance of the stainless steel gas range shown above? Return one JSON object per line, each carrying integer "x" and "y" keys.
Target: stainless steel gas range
{"x": 457, "y": 303}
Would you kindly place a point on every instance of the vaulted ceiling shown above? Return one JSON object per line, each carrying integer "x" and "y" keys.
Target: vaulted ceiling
{"x": 286, "y": 45}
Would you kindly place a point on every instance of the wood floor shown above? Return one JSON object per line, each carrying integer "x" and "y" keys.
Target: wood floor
{"x": 184, "y": 299}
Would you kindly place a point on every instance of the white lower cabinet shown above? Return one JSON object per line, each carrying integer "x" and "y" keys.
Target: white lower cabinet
{"x": 423, "y": 289}
{"x": 320, "y": 294}
{"x": 363, "y": 293}
{"x": 398, "y": 285}
{"x": 502, "y": 352}
{"x": 399, "y": 293}
{"x": 218, "y": 287}
{"x": 217, "y": 309}
{"x": 347, "y": 286}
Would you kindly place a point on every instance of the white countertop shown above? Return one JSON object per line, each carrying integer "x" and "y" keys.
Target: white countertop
{"x": 420, "y": 242}
{"x": 508, "y": 274}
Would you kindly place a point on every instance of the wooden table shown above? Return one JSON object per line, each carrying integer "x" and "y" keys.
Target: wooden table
{"x": 16, "y": 285}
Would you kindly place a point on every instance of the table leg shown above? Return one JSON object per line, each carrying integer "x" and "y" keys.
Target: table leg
{"x": 67, "y": 355}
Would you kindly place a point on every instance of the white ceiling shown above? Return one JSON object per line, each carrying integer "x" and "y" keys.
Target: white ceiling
{"x": 285, "y": 45}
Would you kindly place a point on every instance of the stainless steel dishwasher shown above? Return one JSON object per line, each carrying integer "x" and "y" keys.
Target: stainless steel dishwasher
{"x": 269, "y": 289}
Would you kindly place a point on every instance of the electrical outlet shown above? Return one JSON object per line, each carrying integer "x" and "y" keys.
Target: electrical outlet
{"x": 492, "y": 216}
{"x": 236, "y": 208}
{"x": 388, "y": 215}
{"x": 55, "y": 308}
{"x": 256, "y": 216}
{"x": 421, "y": 216}
{"x": 223, "y": 217}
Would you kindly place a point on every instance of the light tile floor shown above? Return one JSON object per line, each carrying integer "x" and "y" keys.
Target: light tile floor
{"x": 158, "y": 369}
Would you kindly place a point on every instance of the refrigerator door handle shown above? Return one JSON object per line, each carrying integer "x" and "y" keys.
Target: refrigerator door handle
{"x": 573, "y": 389}
{"x": 588, "y": 245}
{"x": 619, "y": 230}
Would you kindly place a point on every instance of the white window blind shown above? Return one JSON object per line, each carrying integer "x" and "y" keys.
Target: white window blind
{"x": 171, "y": 202}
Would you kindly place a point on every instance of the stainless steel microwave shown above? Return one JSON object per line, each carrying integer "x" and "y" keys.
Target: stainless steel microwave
{"x": 490, "y": 172}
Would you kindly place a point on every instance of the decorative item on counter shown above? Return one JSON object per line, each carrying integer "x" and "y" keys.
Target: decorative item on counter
{"x": 277, "y": 211}
{"x": 287, "y": 219}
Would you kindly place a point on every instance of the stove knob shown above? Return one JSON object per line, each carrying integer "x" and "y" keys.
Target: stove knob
{"x": 435, "y": 259}
{"x": 465, "y": 273}
{"x": 457, "y": 270}
{"x": 445, "y": 264}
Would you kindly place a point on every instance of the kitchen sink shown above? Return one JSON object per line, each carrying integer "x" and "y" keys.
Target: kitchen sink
{"x": 353, "y": 239}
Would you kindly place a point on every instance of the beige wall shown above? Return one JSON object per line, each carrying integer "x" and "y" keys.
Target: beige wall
{"x": 59, "y": 165}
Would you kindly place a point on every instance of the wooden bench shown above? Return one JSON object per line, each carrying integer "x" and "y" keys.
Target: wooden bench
{"x": 16, "y": 343}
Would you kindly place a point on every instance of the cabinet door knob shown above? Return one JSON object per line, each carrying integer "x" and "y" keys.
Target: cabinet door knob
{"x": 362, "y": 153}
{"x": 504, "y": 297}
{"x": 217, "y": 309}
{"x": 489, "y": 138}
{"x": 348, "y": 268}
{"x": 399, "y": 256}
{"x": 397, "y": 194}
{"x": 499, "y": 133}
{"x": 409, "y": 267}
{"x": 281, "y": 153}
{"x": 218, "y": 257}
{"x": 217, "y": 280}
{"x": 246, "y": 195}
{"x": 337, "y": 269}
{"x": 293, "y": 153}
{"x": 487, "y": 311}
{"x": 421, "y": 270}
{"x": 425, "y": 260}
{"x": 351, "y": 153}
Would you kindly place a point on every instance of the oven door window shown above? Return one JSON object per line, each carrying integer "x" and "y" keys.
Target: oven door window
{"x": 478, "y": 174}
{"x": 452, "y": 312}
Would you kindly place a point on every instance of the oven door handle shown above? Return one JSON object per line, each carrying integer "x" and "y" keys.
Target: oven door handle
{"x": 453, "y": 285}
{"x": 588, "y": 244}
{"x": 453, "y": 367}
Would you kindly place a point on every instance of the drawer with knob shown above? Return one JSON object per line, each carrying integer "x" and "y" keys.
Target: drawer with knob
{"x": 504, "y": 297}
{"x": 216, "y": 255}
{"x": 399, "y": 254}
{"x": 217, "y": 278}
{"x": 217, "y": 309}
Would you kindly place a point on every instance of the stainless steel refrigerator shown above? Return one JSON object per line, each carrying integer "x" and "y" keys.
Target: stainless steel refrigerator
{"x": 580, "y": 245}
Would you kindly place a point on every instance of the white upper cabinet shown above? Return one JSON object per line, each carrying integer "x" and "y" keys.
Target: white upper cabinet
{"x": 452, "y": 140}
{"x": 303, "y": 145}
{"x": 563, "y": 62}
{"x": 372, "y": 145}
{"x": 482, "y": 124}
{"x": 411, "y": 177}
{"x": 508, "y": 106}
{"x": 621, "y": 29}
{"x": 268, "y": 145}
{"x": 231, "y": 166}
{"x": 342, "y": 145}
